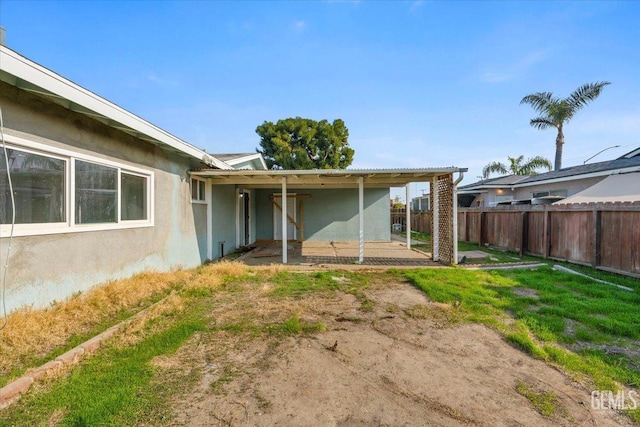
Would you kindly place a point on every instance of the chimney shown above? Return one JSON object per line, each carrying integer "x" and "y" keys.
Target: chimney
{"x": 3, "y": 37}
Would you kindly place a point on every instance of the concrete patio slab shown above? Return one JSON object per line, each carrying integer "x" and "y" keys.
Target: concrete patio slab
{"x": 473, "y": 254}
{"x": 347, "y": 253}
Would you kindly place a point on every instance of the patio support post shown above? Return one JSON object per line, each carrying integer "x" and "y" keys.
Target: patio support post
{"x": 361, "y": 218}
{"x": 455, "y": 218}
{"x": 435, "y": 211}
{"x": 284, "y": 220}
{"x": 408, "y": 212}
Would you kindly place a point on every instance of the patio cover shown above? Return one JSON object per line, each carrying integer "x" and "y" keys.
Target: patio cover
{"x": 353, "y": 178}
{"x": 323, "y": 178}
{"x": 614, "y": 188}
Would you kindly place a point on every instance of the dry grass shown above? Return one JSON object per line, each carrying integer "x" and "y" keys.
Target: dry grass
{"x": 139, "y": 328}
{"x": 441, "y": 314}
{"x": 34, "y": 333}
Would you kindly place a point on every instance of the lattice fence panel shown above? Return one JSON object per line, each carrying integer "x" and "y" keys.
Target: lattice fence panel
{"x": 445, "y": 218}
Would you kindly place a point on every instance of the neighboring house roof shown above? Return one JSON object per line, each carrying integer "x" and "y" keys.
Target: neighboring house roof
{"x": 629, "y": 162}
{"x": 614, "y": 188}
{"x": 634, "y": 153}
{"x": 324, "y": 178}
{"x": 621, "y": 164}
{"x": 498, "y": 182}
{"x": 27, "y": 75}
{"x": 243, "y": 160}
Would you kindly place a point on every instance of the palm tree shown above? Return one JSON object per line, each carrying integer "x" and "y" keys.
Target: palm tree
{"x": 516, "y": 167}
{"x": 555, "y": 112}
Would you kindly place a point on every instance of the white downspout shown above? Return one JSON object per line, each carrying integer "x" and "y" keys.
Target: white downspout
{"x": 455, "y": 218}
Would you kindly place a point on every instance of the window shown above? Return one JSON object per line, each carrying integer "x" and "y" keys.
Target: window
{"x": 38, "y": 183}
{"x": 65, "y": 192}
{"x": 197, "y": 190}
{"x": 133, "y": 204}
{"x": 558, "y": 193}
{"x": 500, "y": 199}
{"x": 96, "y": 193}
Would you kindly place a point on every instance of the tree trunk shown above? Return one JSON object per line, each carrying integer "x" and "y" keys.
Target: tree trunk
{"x": 559, "y": 144}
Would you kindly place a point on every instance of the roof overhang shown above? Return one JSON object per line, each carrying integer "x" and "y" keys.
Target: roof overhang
{"x": 247, "y": 161}
{"x": 25, "y": 74}
{"x": 323, "y": 178}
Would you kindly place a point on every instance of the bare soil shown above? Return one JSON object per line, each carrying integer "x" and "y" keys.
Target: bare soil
{"x": 387, "y": 357}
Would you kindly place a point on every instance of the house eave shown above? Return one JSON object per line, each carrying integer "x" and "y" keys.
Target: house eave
{"x": 27, "y": 75}
{"x": 257, "y": 157}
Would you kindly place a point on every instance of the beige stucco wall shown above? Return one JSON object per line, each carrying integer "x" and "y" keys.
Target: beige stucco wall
{"x": 572, "y": 187}
{"x": 53, "y": 267}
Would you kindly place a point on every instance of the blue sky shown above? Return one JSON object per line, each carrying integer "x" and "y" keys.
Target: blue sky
{"x": 418, "y": 83}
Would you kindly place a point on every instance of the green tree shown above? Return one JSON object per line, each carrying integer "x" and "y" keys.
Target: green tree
{"x": 555, "y": 112}
{"x": 298, "y": 143}
{"x": 397, "y": 203}
{"x": 517, "y": 166}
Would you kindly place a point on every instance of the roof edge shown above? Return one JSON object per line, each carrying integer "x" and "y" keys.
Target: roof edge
{"x": 23, "y": 68}
{"x": 285, "y": 172}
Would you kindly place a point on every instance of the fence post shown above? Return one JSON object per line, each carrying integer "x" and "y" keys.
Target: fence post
{"x": 466, "y": 226}
{"x": 481, "y": 223}
{"x": 597, "y": 232}
{"x": 524, "y": 231}
{"x": 547, "y": 232}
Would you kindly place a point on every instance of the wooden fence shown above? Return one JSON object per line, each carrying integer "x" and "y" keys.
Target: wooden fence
{"x": 601, "y": 235}
{"x": 420, "y": 220}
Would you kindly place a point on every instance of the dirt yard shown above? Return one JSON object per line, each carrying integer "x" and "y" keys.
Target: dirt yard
{"x": 386, "y": 356}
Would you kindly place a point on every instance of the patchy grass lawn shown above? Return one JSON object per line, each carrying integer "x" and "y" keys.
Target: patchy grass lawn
{"x": 589, "y": 329}
{"x": 494, "y": 256}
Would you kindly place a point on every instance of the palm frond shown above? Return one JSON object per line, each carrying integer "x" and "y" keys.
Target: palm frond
{"x": 514, "y": 164}
{"x": 537, "y": 162}
{"x": 585, "y": 93}
{"x": 542, "y": 123}
{"x": 493, "y": 167}
{"x": 540, "y": 101}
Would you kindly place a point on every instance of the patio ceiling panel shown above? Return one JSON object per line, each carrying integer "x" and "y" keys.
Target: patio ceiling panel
{"x": 323, "y": 178}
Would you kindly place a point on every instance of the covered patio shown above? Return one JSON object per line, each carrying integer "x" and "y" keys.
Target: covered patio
{"x": 290, "y": 217}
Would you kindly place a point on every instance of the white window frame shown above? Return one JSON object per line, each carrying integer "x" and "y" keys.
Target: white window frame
{"x": 142, "y": 175}
{"x": 38, "y": 226}
{"x": 69, "y": 226}
{"x": 201, "y": 182}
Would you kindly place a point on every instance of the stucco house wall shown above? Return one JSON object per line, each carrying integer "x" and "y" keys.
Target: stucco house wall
{"x": 223, "y": 219}
{"x": 48, "y": 267}
{"x": 570, "y": 187}
{"x": 332, "y": 214}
